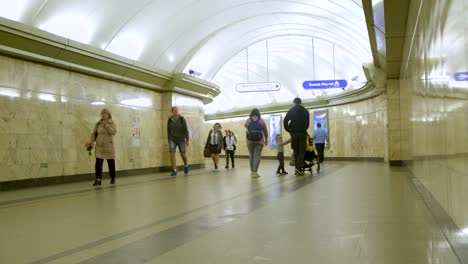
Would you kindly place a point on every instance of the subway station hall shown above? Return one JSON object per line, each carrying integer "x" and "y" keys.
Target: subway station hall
{"x": 234, "y": 131}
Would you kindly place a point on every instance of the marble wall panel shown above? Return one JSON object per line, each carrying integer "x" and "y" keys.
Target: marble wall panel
{"x": 47, "y": 114}
{"x": 17, "y": 74}
{"x": 4, "y": 73}
{"x": 434, "y": 105}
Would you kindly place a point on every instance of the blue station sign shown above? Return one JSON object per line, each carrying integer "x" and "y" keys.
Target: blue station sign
{"x": 324, "y": 84}
{"x": 461, "y": 76}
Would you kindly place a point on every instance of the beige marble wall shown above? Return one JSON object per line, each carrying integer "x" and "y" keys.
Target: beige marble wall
{"x": 434, "y": 109}
{"x": 355, "y": 130}
{"x": 46, "y": 115}
{"x": 394, "y": 120}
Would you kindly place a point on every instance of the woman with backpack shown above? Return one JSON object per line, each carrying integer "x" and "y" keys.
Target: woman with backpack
{"x": 257, "y": 137}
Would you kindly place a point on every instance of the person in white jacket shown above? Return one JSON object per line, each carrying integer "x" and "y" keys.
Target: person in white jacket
{"x": 280, "y": 143}
{"x": 230, "y": 142}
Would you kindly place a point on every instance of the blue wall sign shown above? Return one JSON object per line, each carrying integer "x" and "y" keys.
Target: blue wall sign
{"x": 461, "y": 76}
{"x": 325, "y": 84}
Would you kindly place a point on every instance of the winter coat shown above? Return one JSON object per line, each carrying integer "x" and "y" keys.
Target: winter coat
{"x": 104, "y": 139}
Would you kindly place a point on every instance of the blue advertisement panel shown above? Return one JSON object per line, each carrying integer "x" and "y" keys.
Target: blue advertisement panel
{"x": 275, "y": 129}
{"x": 321, "y": 117}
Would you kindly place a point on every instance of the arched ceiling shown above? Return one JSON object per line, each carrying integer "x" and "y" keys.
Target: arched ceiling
{"x": 203, "y": 35}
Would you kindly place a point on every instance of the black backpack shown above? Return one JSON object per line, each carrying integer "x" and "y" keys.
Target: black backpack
{"x": 254, "y": 131}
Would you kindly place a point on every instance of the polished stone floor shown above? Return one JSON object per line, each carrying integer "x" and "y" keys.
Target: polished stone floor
{"x": 352, "y": 212}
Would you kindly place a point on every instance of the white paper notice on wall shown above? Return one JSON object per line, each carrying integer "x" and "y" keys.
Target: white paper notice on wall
{"x": 136, "y": 131}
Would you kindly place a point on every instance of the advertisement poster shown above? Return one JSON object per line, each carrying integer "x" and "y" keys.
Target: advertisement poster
{"x": 322, "y": 118}
{"x": 275, "y": 129}
{"x": 136, "y": 135}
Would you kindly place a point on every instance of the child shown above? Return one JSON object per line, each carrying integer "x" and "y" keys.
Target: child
{"x": 230, "y": 142}
{"x": 280, "y": 156}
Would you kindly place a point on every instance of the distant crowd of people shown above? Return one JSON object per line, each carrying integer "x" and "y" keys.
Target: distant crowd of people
{"x": 296, "y": 123}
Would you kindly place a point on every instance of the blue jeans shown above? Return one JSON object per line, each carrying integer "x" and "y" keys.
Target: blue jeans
{"x": 174, "y": 143}
{"x": 255, "y": 153}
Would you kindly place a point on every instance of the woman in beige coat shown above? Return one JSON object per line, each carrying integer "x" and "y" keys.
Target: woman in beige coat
{"x": 103, "y": 136}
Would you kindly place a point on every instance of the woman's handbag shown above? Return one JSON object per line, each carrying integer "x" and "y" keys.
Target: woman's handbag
{"x": 206, "y": 152}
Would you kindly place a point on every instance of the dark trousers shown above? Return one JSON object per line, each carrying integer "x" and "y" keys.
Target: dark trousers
{"x": 320, "y": 147}
{"x": 280, "y": 158}
{"x": 230, "y": 153}
{"x": 98, "y": 167}
{"x": 298, "y": 144}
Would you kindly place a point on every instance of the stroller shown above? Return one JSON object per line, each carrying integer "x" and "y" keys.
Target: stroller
{"x": 310, "y": 158}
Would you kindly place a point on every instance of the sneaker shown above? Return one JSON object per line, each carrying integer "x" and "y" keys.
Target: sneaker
{"x": 278, "y": 172}
{"x": 299, "y": 172}
{"x": 284, "y": 172}
{"x": 174, "y": 173}
{"x": 254, "y": 175}
{"x": 226, "y": 167}
{"x": 112, "y": 181}
{"x": 186, "y": 169}
{"x": 97, "y": 182}
{"x": 232, "y": 166}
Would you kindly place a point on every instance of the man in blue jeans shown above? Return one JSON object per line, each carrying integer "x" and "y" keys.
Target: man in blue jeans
{"x": 320, "y": 136}
{"x": 296, "y": 122}
{"x": 178, "y": 136}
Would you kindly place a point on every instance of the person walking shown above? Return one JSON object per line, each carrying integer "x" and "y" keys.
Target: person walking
{"x": 320, "y": 137}
{"x": 280, "y": 156}
{"x": 178, "y": 137}
{"x": 257, "y": 137}
{"x": 214, "y": 141}
{"x": 102, "y": 139}
{"x": 296, "y": 122}
{"x": 230, "y": 143}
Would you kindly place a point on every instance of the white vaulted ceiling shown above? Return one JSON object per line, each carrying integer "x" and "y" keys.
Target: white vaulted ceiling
{"x": 210, "y": 36}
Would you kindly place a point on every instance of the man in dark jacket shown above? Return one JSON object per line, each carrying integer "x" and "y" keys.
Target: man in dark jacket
{"x": 178, "y": 136}
{"x": 296, "y": 123}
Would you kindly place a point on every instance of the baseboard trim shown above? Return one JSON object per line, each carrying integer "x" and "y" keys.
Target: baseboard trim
{"x": 437, "y": 157}
{"x": 373, "y": 159}
{"x": 396, "y": 163}
{"x": 54, "y": 180}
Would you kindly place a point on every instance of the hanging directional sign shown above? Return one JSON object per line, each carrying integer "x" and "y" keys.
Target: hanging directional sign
{"x": 324, "y": 84}
{"x": 258, "y": 87}
{"x": 461, "y": 76}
